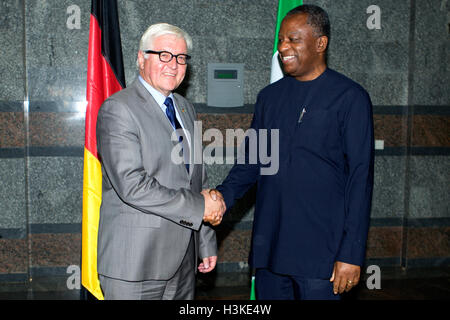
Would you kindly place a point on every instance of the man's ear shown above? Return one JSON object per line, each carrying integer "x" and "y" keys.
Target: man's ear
{"x": 322, "y": 43}
{"x": 140, "y": 59}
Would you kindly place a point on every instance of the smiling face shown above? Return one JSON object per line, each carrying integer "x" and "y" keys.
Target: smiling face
{"x": 163, "y": 76}
{"x": 301, "y": 52}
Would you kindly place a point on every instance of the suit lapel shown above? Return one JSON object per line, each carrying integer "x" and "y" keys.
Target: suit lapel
{"x": 188, "y": 123}
{"x": 152, "y": 106}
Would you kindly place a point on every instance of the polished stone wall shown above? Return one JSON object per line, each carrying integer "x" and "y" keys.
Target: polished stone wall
{"x": 404, "y": 66}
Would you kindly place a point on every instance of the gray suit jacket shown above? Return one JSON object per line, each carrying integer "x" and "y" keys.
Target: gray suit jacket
{"x": 150, "y": 205}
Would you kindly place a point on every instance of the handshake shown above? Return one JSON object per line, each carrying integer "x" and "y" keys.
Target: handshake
{"x": 214, "y": 206}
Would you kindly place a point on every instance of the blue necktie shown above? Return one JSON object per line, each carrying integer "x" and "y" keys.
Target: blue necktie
{"x": 170, "y": 112}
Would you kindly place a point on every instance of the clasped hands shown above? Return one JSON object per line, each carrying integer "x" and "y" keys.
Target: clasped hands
{"x": 214, "y": 206}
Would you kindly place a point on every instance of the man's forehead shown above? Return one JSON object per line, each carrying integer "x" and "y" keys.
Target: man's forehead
{"x": 297, "y": 19}
{"x": 297, "y": 23}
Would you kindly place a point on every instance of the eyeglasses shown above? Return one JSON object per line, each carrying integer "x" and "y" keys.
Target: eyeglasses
{"x": 166, "y": 56}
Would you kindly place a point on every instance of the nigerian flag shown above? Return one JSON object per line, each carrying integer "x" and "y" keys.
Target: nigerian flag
{"x": 284, "y": 6}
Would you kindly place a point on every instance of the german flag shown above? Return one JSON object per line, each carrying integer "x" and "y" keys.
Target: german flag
{"x": 105, "y": 76}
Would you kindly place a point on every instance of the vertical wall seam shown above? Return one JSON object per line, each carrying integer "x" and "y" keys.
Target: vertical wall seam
{"x": 409, "y": 133}
{"x": 26, "y": 151}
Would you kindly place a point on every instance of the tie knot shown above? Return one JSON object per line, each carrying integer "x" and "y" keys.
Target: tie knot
{"x": 169, "y": 103}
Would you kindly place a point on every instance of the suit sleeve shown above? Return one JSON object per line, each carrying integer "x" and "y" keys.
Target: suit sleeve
{"x": 207, "y": 235}
{"x": 358, "y": 141}
{"x": 243, "y": 176}
{"x": 119, "y": 147}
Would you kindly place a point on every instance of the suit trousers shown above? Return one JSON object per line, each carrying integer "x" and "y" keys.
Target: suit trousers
{"x": 273, "y": 286}
{"x": 180, "y": 287}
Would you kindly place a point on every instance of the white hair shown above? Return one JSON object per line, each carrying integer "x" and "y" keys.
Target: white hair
{"x": 161, "y": 29}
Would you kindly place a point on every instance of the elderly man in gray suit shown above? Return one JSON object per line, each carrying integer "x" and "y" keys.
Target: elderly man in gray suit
{"x": 155, "y": 220}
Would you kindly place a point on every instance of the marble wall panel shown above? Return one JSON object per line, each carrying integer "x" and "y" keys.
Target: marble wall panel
{"x": 56, "y": 129}
{"x": 12, "y": 131}
{"x": 428, "y": 242}
{"x": 11, "y": 58}
{"x": 388, "y": 190}
{"x": 13, "y": 256}
{"x": 56, "y": 189}
{"x": 205, "y": 50}
{"x": 12, "y": 193}
{"x": 384, "y": 242}
{"x": 386, "y": 89}
{"x": 377, "y": 59}
{"x": 372, "y": 57}
{"x": 431, "y": 131}
{"x": 391, "y": 129}
{"x": 233, "y": 246}
{"x": 429, "y": 183}
{"x": 431, "y": 58}
{"x": 239, "y": 19}
{"x": 349, "y": 20}
{"x": 224, "y": 122}
{"x": 50, "y": 250}
{"x": 56, "y": 55}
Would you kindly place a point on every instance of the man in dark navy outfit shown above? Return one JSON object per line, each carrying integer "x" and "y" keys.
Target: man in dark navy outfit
{"x": 311, "y": 217}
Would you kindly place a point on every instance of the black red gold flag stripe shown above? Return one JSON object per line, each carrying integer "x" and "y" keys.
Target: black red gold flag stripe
{"x": 105, "y": 76}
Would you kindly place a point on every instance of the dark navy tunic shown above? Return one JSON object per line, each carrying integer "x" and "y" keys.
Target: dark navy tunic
{"x": 315, "y": 210}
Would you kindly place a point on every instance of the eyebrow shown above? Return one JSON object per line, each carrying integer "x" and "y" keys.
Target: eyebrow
{"x": 293, "y": 33}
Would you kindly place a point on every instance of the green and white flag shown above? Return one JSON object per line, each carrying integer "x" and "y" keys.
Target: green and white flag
{"x": 276, "y": 73}
{"x": 284, "y": 6}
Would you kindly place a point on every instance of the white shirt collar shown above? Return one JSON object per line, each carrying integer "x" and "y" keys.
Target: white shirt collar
{"x": 158, "y": 96}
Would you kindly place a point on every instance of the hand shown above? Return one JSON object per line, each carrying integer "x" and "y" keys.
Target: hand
{"x": 215, "y": 194}
{"x": 345, "y": 276}
{"x": 208, "y": 264}
{"x": 214, "y": 209}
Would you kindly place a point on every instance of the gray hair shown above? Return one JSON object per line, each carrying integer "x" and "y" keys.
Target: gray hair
{"x": 161, "y": 29}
